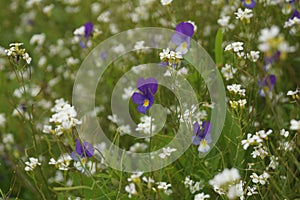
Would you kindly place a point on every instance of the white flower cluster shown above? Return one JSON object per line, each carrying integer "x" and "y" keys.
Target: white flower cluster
{"x": 253, "y": 56}
{"x": 237, "y": 48}
{"x": 246, "y": 14}
{"x": 192, "y": 115}
{"x": 135, "y": 179}
{"x": 16, "y": 52}
{"x": 166, "y": 152}
{"x": 237, "y": 89}
{"x": 228, "y": 71}
{"x": 64, "y": 118}
{"x": 194, "y": 186}
{"x": 62, "y": 163}
{"x": 271, "y": 41}
{"x": 145, "y": 125}
{"x": 31, "y": 164}
{"x": 256, "y": 139}
{"x": 228, "y": 182}
{"x": 262, "y": 179}
{"x": 171, "y": 57}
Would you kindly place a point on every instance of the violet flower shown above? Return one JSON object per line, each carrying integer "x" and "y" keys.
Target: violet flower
{"x": 82, "y": 151}
{"x": 145, "y": 98}
{"x": 182, "y": 37}
{"x": 249, "y": 3}
{"x": 266, "y": 85}
{"x": 202, "y": 136}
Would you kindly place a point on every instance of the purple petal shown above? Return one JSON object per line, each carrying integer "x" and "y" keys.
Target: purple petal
{"x": 142, "y": 109}
{"x": 250, "y": 5}
{"x": 178, "y": 38}
{"x": 147, "y": 85}
{"x": 138, "y": 98}
{"x": 196, "y": 127}
{"x": 163, "y": 64}
{"x": 196, "y": 140}
{"x": 295, "y": 14}
{"x": 186, "y": 28}
{"x": 74, "y": 155}
{"x": 79, "y": 148}
{"x": 206, "y": 128}
{"x": 88, "y": 29}
{"x": 88, "y": 149}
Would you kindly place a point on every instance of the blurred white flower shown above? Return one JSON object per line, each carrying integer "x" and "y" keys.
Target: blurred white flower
{"x": 2, "y": 119}
{"x": 31, "y": 164}
{"x": 262, "y": 179}
{"x": 165, "y": 2}
{"x": 201, "y": 196}
{"x": 244, "y": 14}
{"x": 228, "y": 71}
{"x": 166, "y": 152}
{"x": 295, "y": 125}
{"x": 130, "y": 189}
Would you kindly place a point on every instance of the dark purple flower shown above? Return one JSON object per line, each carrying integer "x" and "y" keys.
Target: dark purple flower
{"x": 182, "y": 37}
{"x": 249, "y": 3}
{"x": 85, "y": 150}
{"x": 295, "y": 14}
{"x": 201, "y": 133}
{"x": 88, "y": 30}
{"x": 145, "y": 99}
{"x": 266, "y": 85}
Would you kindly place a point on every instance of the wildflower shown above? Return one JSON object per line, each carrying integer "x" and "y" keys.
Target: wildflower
{"x": 16, "y": 53}
{"x": 295, "y": 125}
{"x": 165, "y": 186}
{"x": 84, "y": 32}
{"x": 62, "y": 163}
{"x": 263, "y": 134}
{"x": 249, "y": 3}
{"x": 294, "y": 94}
{"x": 138, "y": 147}
{"x": 192, "y": 185}
{"x": 170, "y": 58}
{"x": 135, "y": 177}
{"x": 224, "y": 22}
{"x": 165, "y": 2}
{"x": 236, "y": 89}
{"x": 182, "y": 37}
{"x": 284, "y": 133}
{"x": 38, "y": 39}
{"x": 244, "y": 14}
{"x": 266, "y": 85}
{"x": 146, "y": 126}
{"x": 262, "y": 179}
{"x": 235, "y": 191}
{"x": 82, "y": 151}
{"x": 251, "y": 190}
{"x": 273, "y": 163}
{"x": 130, "y": 189}
{"x": 201, "y": 196}
{"x": 2, "y": 119}
{"x": 253, "y": 56}
{"x": 225, "y": 178}
{"x": 166, "y": 152}
{"x": 31, "y": 164}
{"x": 260, "y": 151}
{"x": 228, "y": 71}
{"x": 202, "y": 136}
{"x": 145, "y": 99}
{"x": 149, "y": 181}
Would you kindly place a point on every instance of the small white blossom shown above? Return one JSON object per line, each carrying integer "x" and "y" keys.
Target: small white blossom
{"x": 244, "y": 14}
{"x": 228, "y": 71}
{"x": 31, "y": 164}
{"x": 262, "y": 179}
{"x": 130, "y": 189}
{"x": 201, "y": 196}
{"x": 165, "y": 2}
{"x": 253, "y": 56}
{"x": 166, "y": 152}
{"x": 295, "y": 125}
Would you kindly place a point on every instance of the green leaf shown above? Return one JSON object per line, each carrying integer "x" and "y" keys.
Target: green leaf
{"x": 218, "y": 48}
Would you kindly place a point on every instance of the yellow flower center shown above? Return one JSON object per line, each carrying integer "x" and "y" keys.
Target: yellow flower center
{"x": 146, "y": 103}
{"x": 203, "y": 142}
{"x": 248, "y": 1}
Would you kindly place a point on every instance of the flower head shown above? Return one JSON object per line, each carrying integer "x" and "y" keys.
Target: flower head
{"x": 145, "y": 99}
{"x": 202, "y": 136}
{"x": 85, "y": 150}
{"x": 85, "y": 32}
{"x": 249, "y": 3}
{"x": 266, "y": 85}
{"x": 182, "y": 37}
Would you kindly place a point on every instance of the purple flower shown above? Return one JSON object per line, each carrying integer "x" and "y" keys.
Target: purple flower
{"x": 202, "y": 136}
{"x": 266, "y": 85}
{"x": 273, "y": 58}
{"x": 88, "y": 30}
{"x": 85, "y": 150}
{"x": 249, "y": 3}
{"x": 295, "y": 14}
{"x": 145, "y": 99}
{"x": 182, "y": 37}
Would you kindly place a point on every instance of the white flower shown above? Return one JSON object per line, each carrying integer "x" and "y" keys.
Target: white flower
{"x": 295, "y": 125}
{"x": 128, "y": 92}
{"x": 166, "y": 152}
{"x": 292, "y": 22}
{"x": 165, "y": 2}
{"x": 236, "y": 89}
{"x": 124, "y": 129}
{"x": 259, "y": 151}
{"x": 135, "y": 177}
{"x": 294, "y": 94}
{"x": 263, "y": 134}
{"x": 236, "y": 46}
{"x": 130, "y": 189}
{"x": 31, "y": 164}
{"x": 62, "y": 162}
{"x": 253, "y": 56}
{"x": 38, "y": 39}
{"x": 8, "y": 138}
{"x": 284, "y": 133}
{"x": 2, "y": 119}
{"x": 228, "y": 71}
{"x": 138, "y": 147}
{"x": 227, "y": 176}
{"x": 251, "y": 191}
{"x": 262, "y": 179}
{"x": 145, "y": 125}
{"x": 165, "y": 186}
{"x": 201, "y": 196}
{"x": 244, "y": 14}
{"x": 273, "y": 162}
{"x": 235, "y": 191}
